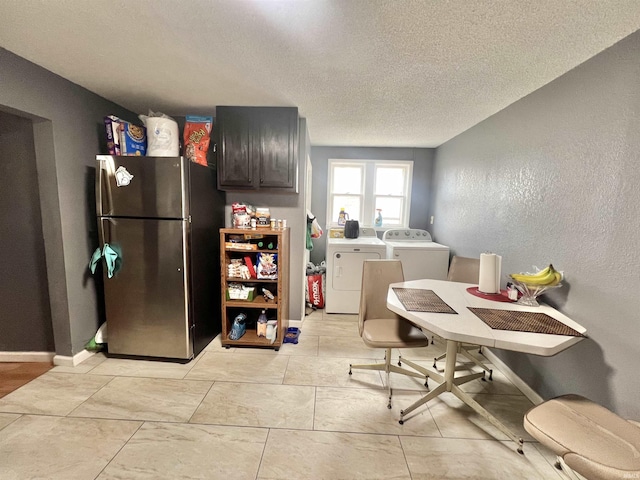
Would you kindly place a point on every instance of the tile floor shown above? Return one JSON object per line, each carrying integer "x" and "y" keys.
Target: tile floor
{"x": 244, "y": 413}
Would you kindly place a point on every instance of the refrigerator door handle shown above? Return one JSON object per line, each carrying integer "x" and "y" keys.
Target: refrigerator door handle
{"x": 105, "y": 233}
{"x": 104, "y": 197}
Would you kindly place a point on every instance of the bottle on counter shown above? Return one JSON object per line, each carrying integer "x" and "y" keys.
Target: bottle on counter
{"x": 378, "y": 220}
{"x": 342, "y": 217}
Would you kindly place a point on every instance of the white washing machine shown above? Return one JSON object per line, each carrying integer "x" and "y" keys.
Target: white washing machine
{"x": 420, "y": 256}
{"x": 344, "y": 269}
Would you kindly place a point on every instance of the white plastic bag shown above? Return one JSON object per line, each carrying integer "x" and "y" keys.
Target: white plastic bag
{"x": 163, "y": 139}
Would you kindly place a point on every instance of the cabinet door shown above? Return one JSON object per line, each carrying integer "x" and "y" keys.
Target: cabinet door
{"x": 235, "y": 148}
{"x": 278, "y": 148}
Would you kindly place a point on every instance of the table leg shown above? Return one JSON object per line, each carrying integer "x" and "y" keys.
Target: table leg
{"x": 466, "y": 398}
{"x": 450, "y": 384}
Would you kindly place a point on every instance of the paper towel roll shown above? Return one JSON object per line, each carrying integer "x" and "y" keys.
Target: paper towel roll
{"x": 163, "y": 139}
{"x": 490, "y": 267}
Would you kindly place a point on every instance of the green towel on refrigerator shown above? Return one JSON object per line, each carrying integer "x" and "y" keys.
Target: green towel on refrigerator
{"x": 95, "y": 258}
{"x": 112, "y": 258}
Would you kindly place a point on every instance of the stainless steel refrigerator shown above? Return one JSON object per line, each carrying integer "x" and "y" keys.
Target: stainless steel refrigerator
{"x": 159, "y": 217}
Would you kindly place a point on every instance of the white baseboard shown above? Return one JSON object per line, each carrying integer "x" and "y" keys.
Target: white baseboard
{"x": 77, "y": 359}
{"x": 26, "y": 356}
{"x": 512, "y": 377}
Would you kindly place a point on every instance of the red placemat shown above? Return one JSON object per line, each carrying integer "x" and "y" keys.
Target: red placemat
{"x": 496, "y": 297}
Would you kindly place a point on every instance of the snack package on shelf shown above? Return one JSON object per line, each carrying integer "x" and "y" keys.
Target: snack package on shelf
{"x": 241, "y": 215}
{"x": 133, "y": 139}
{"x": 237, "y": 291}
{"x": 112, "y": 129}
{"x": 236, "y": 269}
{"x": 263, "y": 217}
{"x": 197, "y": 135}
{"x": 267, "y": 265}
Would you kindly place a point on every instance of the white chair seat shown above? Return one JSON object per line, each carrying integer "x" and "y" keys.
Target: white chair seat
{"x": 590, "y": 439}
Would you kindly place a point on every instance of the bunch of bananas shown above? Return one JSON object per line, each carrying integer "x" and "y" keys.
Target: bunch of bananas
{"x": 547, "y": 277}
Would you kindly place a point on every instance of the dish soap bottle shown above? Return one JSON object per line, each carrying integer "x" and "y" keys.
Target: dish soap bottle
{"x": 378, "y": 220}
{"x": 342, "y": 217}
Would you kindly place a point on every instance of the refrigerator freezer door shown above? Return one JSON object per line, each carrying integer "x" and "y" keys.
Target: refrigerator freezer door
{"x": 144, "y": 187}
{"x": 147, "y": 307}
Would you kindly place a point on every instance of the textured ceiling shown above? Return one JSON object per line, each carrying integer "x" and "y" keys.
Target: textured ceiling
{"x": 362, "y": 72}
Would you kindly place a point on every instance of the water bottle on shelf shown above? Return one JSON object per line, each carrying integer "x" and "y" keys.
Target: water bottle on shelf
{"x": 378, "y": 220}
{"x": 262, "y": 324}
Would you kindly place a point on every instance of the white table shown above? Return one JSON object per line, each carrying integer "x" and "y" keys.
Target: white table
{"x": 466, "y": 327}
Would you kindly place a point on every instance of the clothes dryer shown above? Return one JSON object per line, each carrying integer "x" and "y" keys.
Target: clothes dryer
{"x": 420, "y": 256}
{"x": 345, "y": 257}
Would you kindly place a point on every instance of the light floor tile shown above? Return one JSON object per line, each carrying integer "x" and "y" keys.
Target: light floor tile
{"x": 500, "y": 385}
{"x": 340, "y": 317}
{"x": 305, "y": 455}
{"x": 366, "y": 411}
{"x": 179, "y": 451}
{"x": 41, "y": 447}
{"x": 216, "y": 346}
{"x": 424, "y": 353}
{"x": 84, "y": 367}
{"x": 145, "y": 399}
{"x": 7, "y": 418}
{"x": 333, "y": 328}
{"x": 406, "y": 382}
{"x": 328, "y": 372}
{"x": 457, "y": 420}
{"x": 142, "y": 368}
{"x": 258, "y": 405}
{"x": 240, "y": 367}
{"x": 307, "y": 346}
{"x": 348, "y": 347}
{"x": 452, "y": 458}
{"x": 53, "y": 393}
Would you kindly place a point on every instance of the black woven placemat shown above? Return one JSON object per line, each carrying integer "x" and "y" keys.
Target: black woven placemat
{"x": 533, "y": 322}
{"x": 418, "y": 300}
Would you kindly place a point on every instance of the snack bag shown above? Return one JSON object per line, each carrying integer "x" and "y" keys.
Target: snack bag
{"x": 197, "y": 133}
{"x": 267, "y": 266}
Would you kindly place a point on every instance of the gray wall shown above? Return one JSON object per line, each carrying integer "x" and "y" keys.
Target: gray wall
{"x": 420, "y": 186}
{"x": 67, "y": 127}
{"x": 554, "y": 178}
{"x": 292, "y": 208}
{"x": 24, "y": 294}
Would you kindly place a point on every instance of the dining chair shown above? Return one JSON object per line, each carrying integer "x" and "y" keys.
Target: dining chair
{"x": 465, "y": 270}
{"x": 379, "y": 327}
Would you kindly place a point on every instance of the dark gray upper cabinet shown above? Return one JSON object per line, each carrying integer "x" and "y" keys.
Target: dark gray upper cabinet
{"x": 257, "y": 148}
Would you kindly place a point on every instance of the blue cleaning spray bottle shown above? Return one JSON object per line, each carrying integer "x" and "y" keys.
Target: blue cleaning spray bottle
{"x": 378, "y": 220}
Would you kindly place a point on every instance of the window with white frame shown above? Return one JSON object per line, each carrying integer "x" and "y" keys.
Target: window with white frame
{"x": 363, "y": 186}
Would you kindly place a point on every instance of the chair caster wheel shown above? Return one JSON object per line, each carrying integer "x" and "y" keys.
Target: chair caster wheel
{"x": 520, "y": 451}
{"x": 491, "y": 375}
{"x": 401, "y": 422}
{"x": 349, "y": 369}
{"x": 389, "y": 406}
